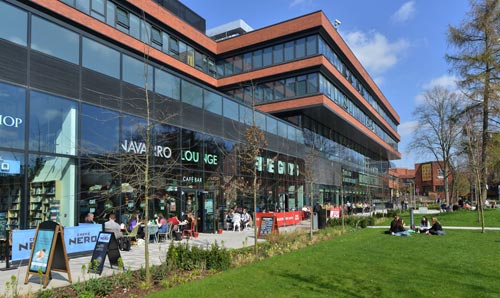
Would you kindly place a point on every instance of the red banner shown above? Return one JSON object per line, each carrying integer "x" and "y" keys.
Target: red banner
{"x": 284, "y": 218}
{"x": 335, "y": 212}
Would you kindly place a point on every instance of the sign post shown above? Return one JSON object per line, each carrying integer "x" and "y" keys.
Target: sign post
{"x": 268, "y": 226}
{"x": 106, "y": 245}
{"x": 48, "y": 252}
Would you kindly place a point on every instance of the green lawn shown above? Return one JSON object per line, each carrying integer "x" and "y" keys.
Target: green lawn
{"x": 461, "y": 218}
{"x": 367, "y": 263}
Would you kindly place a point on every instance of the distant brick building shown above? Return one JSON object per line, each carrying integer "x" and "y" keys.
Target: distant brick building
{"x": 402, "y": 181}
{"x": 429, "y": 179}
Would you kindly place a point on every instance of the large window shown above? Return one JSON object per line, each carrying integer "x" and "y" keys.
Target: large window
{"x": 13, "y": 24}
{"x": 54, "y": 40}
{"x": 53, "y": 124}
{"x": 167, "y": 84}
{"x": 53, "y": 190}
{"x": 213, "y": 102}
{"x": 100, "y": 58}
{"x": 192, "y": 94}
{"x": 100, "y": 130}
{"x": 230, "y": 109}
{"x": 134, "y": 72}
{"x": 12, "y": 116}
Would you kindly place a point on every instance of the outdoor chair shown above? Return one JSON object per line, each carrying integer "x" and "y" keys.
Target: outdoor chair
{"x": 133, "y": 234}
{"x": 189, "y": 232}
{"x": 236, "y": 225}
{"x": 153, "y": 231}
{"x": 167, "y": 234}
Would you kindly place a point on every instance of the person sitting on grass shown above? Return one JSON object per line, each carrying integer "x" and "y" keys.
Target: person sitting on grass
{"x": 424, "y": 225}
{"x": 397, "y": 227}
{"x": 436, "y": 228}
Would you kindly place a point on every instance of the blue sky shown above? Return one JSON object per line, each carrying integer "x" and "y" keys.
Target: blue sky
{"x": 402, "y": 44}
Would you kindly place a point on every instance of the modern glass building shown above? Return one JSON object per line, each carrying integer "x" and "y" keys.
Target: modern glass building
{"x": 89, "y": 87}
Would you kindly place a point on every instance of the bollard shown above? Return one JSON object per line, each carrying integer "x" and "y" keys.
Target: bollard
{"x": 412, "y": 220}
{"x": 7, "y": 252}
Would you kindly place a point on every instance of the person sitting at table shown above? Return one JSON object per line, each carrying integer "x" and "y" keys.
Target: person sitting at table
{"x": 111, "y": 226}
{"x": 89, "y": 219}
{"x": 174, "y": 221}
{"x": 229, "y": 219}
{"x": 161, "y": 222}
{"x": 245, "y": 218}
{"x": 424, "y": 225}
{"x": 134, "y": 222}
{"x": 236, "y": 221}
{"x": 189, "y": 221}
{"x": 436, "y": 228}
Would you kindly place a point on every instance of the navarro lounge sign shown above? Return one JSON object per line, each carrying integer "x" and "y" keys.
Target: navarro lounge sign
{"x": 166, "y": 152}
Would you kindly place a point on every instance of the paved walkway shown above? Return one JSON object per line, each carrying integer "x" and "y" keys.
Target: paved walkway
{"x": 132, "y": 259}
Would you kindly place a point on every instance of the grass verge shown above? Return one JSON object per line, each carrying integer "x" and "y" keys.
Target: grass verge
{"x": 366, "y": 263}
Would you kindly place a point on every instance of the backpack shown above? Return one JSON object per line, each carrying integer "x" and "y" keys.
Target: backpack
{"x": 124, "y": 244}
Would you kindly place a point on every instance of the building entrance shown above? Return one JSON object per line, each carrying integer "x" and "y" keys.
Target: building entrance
{"x": 201, "y": 204}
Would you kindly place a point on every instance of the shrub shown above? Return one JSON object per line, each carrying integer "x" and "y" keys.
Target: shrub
{"x": 189, "y": 258}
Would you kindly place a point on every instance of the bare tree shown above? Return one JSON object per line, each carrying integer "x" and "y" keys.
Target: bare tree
{"x": 476, "y": 61}
{"x": 438, "y": 129}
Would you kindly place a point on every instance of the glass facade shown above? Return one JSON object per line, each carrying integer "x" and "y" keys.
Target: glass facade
{"x": 64, "y": 154}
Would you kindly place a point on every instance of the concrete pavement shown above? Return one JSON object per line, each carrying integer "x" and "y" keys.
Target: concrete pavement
{"x": 132, "y": 259}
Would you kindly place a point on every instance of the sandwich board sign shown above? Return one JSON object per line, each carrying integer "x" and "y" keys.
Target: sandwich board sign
{"x": 48, "y": 252}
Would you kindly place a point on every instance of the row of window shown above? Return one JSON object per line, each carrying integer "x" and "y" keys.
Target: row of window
{"x": 328, "y": 52}
{"x": 276, "y": 90}
{"x": 109, "y": 61}
{"x": 332, "y": 92}
{"x": 135, "y": 26}
{"x": 307, "y": 85}
{"x": 279, "y": 53}
{"x": 107, "y": 11}
{"x": 48, "y": 38}
{"x": 293, "y": 50}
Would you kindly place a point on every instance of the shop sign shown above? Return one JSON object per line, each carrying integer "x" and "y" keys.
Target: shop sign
{"x": 192, "y": 156}
{"x": 77, "y": 239}
{"x": 192, "y": 179}
{"x": 349, "y": 177}
{"x": 140, "y": 148}
{"x": 10, "y": 121}
{"x": 272, "y": 166}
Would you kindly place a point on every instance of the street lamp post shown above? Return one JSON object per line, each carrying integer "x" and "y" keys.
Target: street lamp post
{"x": 413, "y": 193}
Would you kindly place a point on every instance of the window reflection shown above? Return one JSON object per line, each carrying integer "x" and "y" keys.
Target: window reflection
{"x": 100, "y": 58}
{"x": 167, "y": 84}
{"x": 12, "y": 116}
{"x": 192, "y": 94}
{"x": 13, "y": 24}
{"x": 53, "y": 124}
{"x": 100, "y": 130}
{"x": 54, "y": 40}
{"x": 134, "y": 72}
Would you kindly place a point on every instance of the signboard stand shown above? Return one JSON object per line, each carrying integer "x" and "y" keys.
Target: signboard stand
{"x": 106, "y": 245}
{"x": 48, "y": 253}
{"x": 268, "y": 226}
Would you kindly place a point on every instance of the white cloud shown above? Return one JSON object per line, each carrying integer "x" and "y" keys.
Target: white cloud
{"x": 299, "y": 2}
{"x": 446, "y": 81}
{"x": 378, "y": 80}
{"x": 406, "y": 129}
{"x": 404, "y": 13}
{"x": 376, "y": 53}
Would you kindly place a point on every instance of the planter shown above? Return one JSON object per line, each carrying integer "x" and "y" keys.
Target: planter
{"x": 219, "y": 231}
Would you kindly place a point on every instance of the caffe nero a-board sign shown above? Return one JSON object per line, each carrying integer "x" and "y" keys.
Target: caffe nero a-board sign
{"x": 106, "y": 245}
